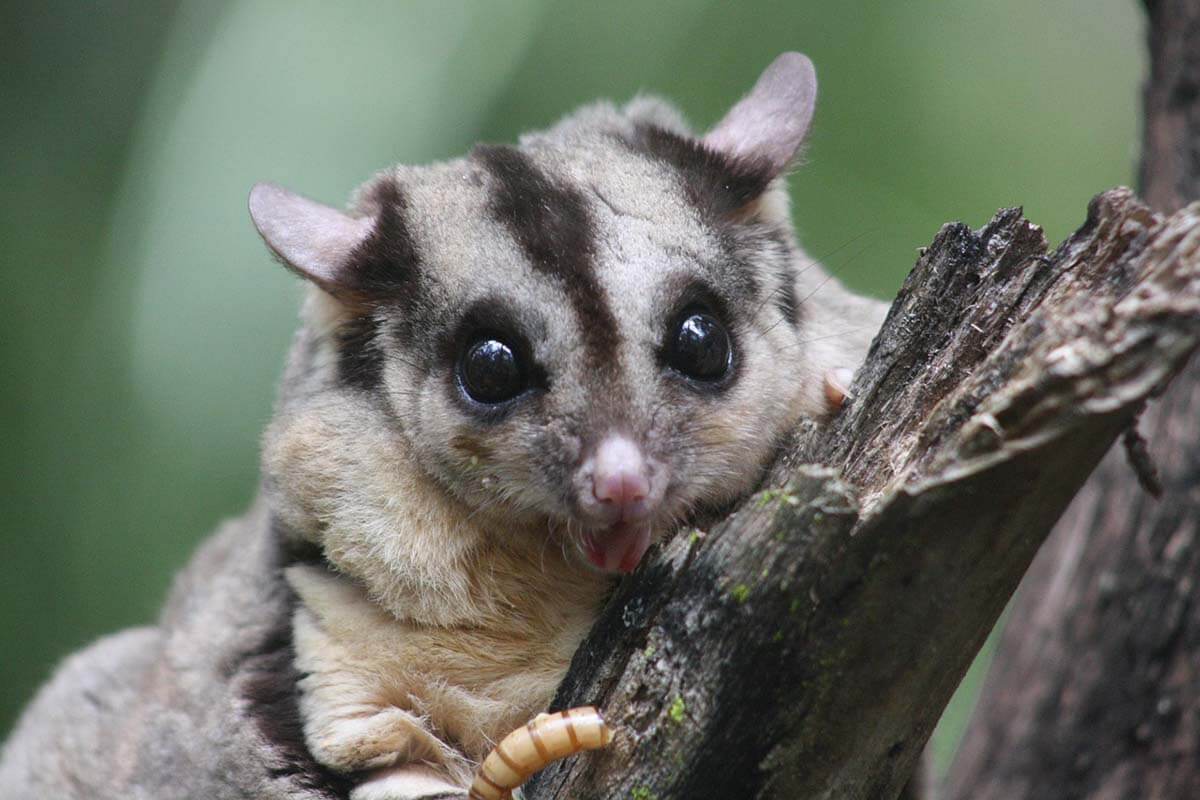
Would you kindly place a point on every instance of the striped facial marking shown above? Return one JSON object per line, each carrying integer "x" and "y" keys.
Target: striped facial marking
{"x": 551, "y": 222}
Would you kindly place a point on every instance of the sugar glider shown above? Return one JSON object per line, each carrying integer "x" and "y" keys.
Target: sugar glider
{"x": 516, "y": 371}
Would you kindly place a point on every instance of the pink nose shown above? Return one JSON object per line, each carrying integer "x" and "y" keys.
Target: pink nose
{"x": 619, "y": 478}
{"x": 621, "y": 489}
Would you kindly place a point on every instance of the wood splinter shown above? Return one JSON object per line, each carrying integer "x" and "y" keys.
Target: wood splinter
{"x": 532, "y": 747}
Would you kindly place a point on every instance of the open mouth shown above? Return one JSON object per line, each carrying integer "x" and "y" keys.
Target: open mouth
{"x": 619, "y": 548}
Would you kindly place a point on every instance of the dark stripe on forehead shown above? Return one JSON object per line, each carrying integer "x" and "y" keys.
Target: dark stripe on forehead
{"x": 360, "y": 354}
{"x": 385, "y": 267}
{"x": 785, "y": 297}
{"x": 383, "y": 272}
{"x": 717, "y": 184}
{"x": 551, "y": 223}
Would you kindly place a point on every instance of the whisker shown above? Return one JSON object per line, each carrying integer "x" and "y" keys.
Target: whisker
{"x": 830, "y": 276}
{"x": 827, "y": 336}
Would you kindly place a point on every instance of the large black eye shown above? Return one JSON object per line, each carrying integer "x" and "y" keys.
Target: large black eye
{"x": 490, "y": 371}
{"x": 699, "y": 347}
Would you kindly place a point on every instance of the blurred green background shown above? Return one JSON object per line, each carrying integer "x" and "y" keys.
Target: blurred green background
{"x": 142, "y": 325}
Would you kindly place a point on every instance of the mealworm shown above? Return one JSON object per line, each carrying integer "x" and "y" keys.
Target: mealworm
{"x": 544, "y": 739}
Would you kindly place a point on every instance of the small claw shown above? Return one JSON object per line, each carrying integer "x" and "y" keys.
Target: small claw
{"x": 837, "y": 387}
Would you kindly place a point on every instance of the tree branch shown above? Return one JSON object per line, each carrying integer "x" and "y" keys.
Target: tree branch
{"x": 805, "y": 645}
{"x": 1095, "y": 689}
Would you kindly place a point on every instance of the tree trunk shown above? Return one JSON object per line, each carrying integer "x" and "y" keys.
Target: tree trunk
{"x": 1095, "y": 689}
{"x": 804, "y": 645}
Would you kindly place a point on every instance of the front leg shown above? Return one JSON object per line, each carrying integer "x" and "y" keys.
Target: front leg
{"x": 350, "y": 725}
{"x": 410, "y": 782}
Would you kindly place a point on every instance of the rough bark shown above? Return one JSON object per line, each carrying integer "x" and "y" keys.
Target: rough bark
{"x": 804, "y": 645}
{"x": 1170, "y": 171}
{"x": 1095, "y": 688}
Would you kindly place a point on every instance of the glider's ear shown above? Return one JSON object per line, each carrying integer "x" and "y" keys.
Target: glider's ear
{"x": 313, "y": 240}
{"x": 769, "y": 125}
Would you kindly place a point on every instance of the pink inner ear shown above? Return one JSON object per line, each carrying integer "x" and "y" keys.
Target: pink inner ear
{"x": 314, "y": 240}
{"x": 770, "y": 123}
